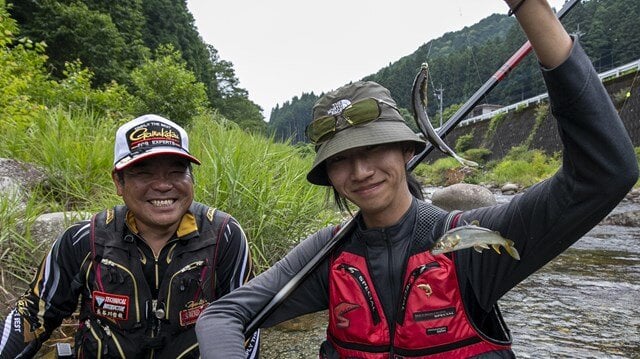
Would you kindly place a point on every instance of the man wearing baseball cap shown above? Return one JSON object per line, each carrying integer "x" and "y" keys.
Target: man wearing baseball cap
{"x": 142, "y": 272}
{"x": 388, "y": 293}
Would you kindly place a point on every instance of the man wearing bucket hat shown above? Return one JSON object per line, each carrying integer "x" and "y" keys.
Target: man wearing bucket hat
{"x": 141, "y": 272}
{"x": 388, "y": 294}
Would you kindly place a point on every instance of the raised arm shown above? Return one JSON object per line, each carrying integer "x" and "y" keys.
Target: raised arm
{"x": 598, "y": 167}
{"x": 549, "y": 40}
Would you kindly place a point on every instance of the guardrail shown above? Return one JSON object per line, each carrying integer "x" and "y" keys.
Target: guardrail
{"x": 610, "y": 74}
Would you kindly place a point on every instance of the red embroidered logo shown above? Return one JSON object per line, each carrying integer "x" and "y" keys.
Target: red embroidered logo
{"x": 189, "y": 315}
{"x": 112, "y": 306}
{"x": 340, "y": 310}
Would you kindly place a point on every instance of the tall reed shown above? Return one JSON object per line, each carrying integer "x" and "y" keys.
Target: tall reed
{"x": 260, "y": 182}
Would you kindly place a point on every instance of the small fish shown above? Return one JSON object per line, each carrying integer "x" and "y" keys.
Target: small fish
{"x": 473, "y": 236}
{"x": 419, "y": 102}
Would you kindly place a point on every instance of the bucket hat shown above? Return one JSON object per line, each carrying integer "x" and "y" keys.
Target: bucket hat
{"x": 388, "y": 127}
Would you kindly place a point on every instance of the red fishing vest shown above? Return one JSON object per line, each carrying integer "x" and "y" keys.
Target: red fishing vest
{"x": 431, "y": 320}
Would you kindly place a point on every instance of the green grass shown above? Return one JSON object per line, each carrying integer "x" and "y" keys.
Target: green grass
{"x": 260, "y": 182}
{"x": 520, "y": 166}
{"x": 19, "y": 252}
{"x": 434, "y": 174}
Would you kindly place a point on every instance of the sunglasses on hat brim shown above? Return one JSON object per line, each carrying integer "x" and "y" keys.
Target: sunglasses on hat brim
{"x": 358, "y": 113}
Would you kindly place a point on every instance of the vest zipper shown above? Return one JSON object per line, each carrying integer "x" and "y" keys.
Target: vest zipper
{"x": 155, "y": 271}
{"x": 115, "y": 340}
{"x": 186, "y": 268}
{"x": 356, "y": 274}
{"x": 410, "y": 281}
{"x": 96, "y": 337}
{"x": 133, "y": 279}
{"x": 390, "y": 321}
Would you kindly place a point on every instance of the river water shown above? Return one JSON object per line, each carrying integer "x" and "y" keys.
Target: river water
{"x": 583, "y": 304}
{"x": 586, "y": 302}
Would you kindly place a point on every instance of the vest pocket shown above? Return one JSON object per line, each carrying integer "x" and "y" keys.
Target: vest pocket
{"x": 413, "y": 276}
{"x": 116, "y": 294}
{"x": 96, "y": 340}
{"x": 365, "y": 288}
{"x": 188, "y": 293}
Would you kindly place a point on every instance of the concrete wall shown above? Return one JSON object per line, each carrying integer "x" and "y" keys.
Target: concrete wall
{"x": 517, "y": 125}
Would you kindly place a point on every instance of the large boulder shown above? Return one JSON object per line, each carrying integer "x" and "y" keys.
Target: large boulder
{"x": 627, "y": 219}
{"x": 25, "y": 174}
{"x": 462, "y": 196}
{"x": 47, "y": 227}
{"x": 17, "y": 179}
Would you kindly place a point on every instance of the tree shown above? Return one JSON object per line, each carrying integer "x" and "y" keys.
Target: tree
{"x": 230, "y": 99}
{"x": 73, "y": 32}
{"x": 21, "y": 67}
{"x": 166, "y": 87}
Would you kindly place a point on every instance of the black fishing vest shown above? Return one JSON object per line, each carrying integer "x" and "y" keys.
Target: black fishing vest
{"x": 119, "y": 317}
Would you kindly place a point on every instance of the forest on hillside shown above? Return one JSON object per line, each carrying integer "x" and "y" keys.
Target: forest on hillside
{"x": 115, "y": 39}
{"x": 461, "y": 61}
{"x": 112, "y": 39}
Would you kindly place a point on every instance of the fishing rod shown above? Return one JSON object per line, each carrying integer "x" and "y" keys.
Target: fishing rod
{"x": 479, "y": 95}
{"x": 457, "y": 117}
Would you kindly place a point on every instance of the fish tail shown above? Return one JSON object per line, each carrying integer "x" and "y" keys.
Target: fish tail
{"x": 463, "y": 161}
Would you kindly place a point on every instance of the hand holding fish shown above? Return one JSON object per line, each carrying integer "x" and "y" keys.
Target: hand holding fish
{"x": 473, "y": 236}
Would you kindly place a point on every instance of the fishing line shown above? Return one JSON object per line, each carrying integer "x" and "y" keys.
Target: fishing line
{"x": 627, "y": 98}
{"x": 429, "y": 77}
{"x": 473, "y": 58}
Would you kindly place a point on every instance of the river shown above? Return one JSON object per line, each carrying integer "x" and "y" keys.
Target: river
{"x": 583, "y": 304}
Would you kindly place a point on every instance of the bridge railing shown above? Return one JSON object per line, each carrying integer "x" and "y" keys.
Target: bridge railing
{"x": 607, "y": 75}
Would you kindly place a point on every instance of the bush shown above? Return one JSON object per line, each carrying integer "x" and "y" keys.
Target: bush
{"x": 464, "y": 142}
{"x": 523, "y": 167}
{"x": 435, "y": 174}
{"x": 165, "y": 87}
{"x": 479, "y": 155}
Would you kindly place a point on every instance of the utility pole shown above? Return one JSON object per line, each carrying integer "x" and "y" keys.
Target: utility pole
{"x": 439, "y": 95}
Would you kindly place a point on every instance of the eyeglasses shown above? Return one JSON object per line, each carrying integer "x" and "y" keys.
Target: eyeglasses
{"x": 357, "y": 113}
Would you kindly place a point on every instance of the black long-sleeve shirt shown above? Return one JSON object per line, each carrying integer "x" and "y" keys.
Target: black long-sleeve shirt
{"x": 52, "y": 295}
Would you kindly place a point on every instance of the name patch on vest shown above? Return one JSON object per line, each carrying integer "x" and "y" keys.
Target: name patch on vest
{"x": 189, "y": 315}
{"x": 438, "y": 330}
{"x": 112, "y": 306}
{"x": 434, "y": 314}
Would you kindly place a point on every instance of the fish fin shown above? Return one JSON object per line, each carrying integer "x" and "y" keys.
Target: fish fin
{"x": 480, "y": 246}
{"x": 496, "y": 247}
{"x": 512, "y": 250}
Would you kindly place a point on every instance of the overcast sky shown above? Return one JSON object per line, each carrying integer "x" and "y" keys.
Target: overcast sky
{"x": 282, "y": 48}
